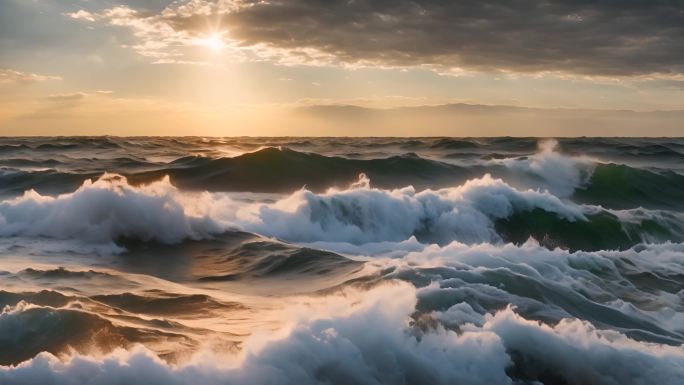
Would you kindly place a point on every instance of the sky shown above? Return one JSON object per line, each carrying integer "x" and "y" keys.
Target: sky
{"x": 337, "y": 68}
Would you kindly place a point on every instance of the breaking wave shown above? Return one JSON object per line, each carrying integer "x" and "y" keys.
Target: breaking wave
{"x": 486, "y": 209}
{"x": 282, "y": 170}
{"x": 374, "y": 340}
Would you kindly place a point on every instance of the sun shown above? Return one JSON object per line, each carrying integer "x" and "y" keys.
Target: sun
{"x": 214, "y": 42}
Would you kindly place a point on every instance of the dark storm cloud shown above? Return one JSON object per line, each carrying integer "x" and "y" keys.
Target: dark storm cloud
{"x": 612, "y": 37}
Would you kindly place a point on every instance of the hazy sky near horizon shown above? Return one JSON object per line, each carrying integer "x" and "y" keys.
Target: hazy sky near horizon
{"x": 247, "y": 67}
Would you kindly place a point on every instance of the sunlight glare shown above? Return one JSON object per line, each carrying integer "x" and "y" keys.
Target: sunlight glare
{"x": 214, "y": 42}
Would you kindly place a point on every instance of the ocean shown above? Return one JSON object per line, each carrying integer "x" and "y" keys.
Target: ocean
{"x": 189, "y": 260}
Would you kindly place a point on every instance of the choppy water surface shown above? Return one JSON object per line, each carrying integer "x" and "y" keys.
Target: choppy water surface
{"x": 341, "y": 261}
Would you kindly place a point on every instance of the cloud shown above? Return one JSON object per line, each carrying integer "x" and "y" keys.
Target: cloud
{"x": 13, "y": 76}
{"x": 79, "y": 95}
{"x": 82, "y": 15}
{"x": 156, "y": 37}
{"x": 533, "y": 36}
{"x": 67, "y": 96}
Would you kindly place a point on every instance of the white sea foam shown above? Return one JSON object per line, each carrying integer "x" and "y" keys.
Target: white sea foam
{"x": 362, "y": 214}
{"x": 366, "y": 338}
{"x": 104, "y": 210}
{"x": 107, "y": 209}
{"x": 560, "y": 174}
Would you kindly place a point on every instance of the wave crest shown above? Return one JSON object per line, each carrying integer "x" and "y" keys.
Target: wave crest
{"x": 485, "y": 209}
{"x": 362, "y": 214}
{"x": 105, "y": 210}
{"x": 374, "y": 340}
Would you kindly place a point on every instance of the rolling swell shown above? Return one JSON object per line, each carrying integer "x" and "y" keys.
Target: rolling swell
{"x": 233, "y": 256}
{"x": 161, "y": 303}
{"x": 260, "y": 259}
{"x": 284, "y": 170}
{"x": 602, "y": 231}
{"x": 52, "y": 182}
{"x": 453, "y": 144}
{"x": 620, "y": 187}
{"x": 61, "y": 323}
